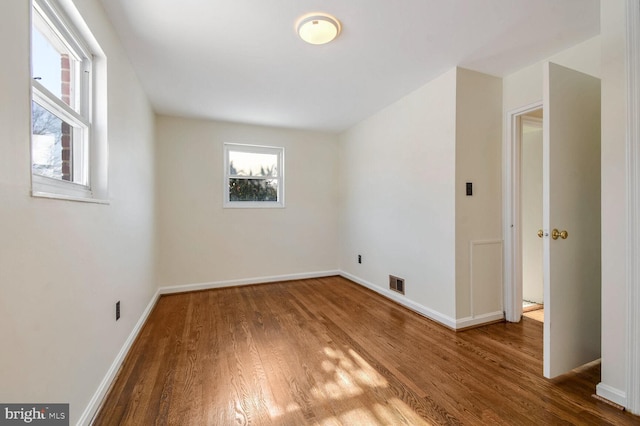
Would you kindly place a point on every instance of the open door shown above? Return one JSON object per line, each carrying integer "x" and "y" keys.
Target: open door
{"x": 571, "y": 203}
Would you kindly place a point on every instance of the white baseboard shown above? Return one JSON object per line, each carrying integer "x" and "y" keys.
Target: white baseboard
{"x": 244, "y": 281}
{"x": 98, "y": 396}
{"x": 416, "y": 307}
{"x": 96, "y": 400}
{"x": 612, "y": 394}
{"x": 479, "y": 320}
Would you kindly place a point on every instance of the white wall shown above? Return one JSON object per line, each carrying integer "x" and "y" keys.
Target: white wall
{"x": 613, "y": 376}
{"x": 397, "y": 197}
{"x": 531, "y": 211}
{"x": 601, "y": 56}
{"x": 403, "y": 198}
{"x": 200, "y": 242}
{"x": 478, "y": 217}
{"x": 64, "y": 264}
{"x": 524, "y": 86}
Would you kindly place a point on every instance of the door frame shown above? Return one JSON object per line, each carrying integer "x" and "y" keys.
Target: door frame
{"x": 632, "y": 56}
{"x": 511, "y": 159}
{"x": 525, "y": 120}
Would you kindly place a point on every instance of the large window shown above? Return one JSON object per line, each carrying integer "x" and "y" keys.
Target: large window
{"x": 61, "y": 105}
{"x": 254, "y": 176}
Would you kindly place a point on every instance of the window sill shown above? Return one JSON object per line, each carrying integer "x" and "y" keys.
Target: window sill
{"x": 45, "y": 187}
{"x": 252, "y": 205}
{"x": 51, "y": 195}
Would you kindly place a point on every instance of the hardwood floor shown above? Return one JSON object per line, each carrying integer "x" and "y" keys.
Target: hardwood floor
{"x": 536, "y": 315}
{"x": 329, "y": 352}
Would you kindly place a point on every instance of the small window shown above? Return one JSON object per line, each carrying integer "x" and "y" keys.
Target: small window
{"x": 254, "y": 176}
{"x": 60, "y": 105}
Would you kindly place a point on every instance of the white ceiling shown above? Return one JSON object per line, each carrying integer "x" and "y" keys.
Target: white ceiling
{"x": 241, "y": 60}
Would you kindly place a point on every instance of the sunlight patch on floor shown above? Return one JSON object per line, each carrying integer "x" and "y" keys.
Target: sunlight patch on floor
{"x": 348, "y": 375}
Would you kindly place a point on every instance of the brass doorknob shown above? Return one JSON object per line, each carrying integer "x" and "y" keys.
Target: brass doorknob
{"x": 540, "y": 233}
{"x": 562, "y": 234}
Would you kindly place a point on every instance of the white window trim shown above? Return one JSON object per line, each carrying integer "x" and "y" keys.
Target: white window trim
{"x": 50, "y": 102}
{"x": 279, "y": 151}
{"x": 92, "y": 151}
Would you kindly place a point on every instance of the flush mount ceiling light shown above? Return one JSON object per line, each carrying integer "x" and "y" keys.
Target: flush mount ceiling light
{"x": 318, "y": 28}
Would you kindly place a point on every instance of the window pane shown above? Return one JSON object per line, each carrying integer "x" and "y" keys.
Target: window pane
{"x": 53, "y": 65}
{"x": 253, "y": 189}
{"x": 252, "y": 164}
{"x": 52, "y": 142}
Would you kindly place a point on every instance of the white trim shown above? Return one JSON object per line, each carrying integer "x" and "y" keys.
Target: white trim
{"x": 633, "y": 206}
{"x": 98, "y": 396}
{"x": 612, "y": 394}
{"x": 396, "y": 297}
{"x": 280, "y": 178}
{"x": 56, "y": 196}
{"x": 532, "y": 122}
{"x": 252, "y": 204}
{"x": 47, "y": 185}
{"x": 511, "y": 212}
{"x": 54, "y": 105}
{"x": 473, "y": 321}
{"x": 56, "y": 17}
{"x": 244, "y": 281}
{"x": 89, "y": 147}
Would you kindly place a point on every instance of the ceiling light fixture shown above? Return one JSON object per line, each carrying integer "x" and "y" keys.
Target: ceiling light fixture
{"x": 318, "y": 28}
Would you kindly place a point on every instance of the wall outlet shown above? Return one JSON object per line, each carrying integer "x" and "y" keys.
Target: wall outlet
{"x": 359, "y": 258}
{"x": 117, "y": 310}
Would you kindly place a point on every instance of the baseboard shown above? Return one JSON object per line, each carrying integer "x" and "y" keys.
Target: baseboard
{"x": 96, "y": 400}
{"x": 478, "y": 320}
{"x": 98, "y": 396}
{"x": 612, "y": 394}
{"x": 416, "y": 307}
{"x": 244, "y": 281}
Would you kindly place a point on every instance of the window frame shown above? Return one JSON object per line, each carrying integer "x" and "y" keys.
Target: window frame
{"x": 257, "y": 149}
{"x": 79, "y": 115}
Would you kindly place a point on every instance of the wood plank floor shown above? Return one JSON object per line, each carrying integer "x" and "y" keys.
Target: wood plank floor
{"x": 329, "y": 352}
{"x": 536, "y": 315}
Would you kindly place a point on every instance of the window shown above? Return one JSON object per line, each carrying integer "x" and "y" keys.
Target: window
{"x": 61, "y": 105}
{"x": 254, "y": 176}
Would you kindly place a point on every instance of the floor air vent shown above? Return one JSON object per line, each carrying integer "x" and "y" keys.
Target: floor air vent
{"x": 396, "y": 284}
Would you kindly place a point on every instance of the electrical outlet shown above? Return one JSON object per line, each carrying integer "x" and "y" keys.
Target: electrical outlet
{"x": 359, "y": 258}
{"x": 117, "y": 310}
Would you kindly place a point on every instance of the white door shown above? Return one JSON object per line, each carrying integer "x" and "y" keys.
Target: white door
{"x": 571, "y": 202}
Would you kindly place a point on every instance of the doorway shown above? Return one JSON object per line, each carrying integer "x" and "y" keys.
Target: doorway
{"x": 523, "y": 250}
{"x": 530, "y": 140}
{"x": 570, "y": 229}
